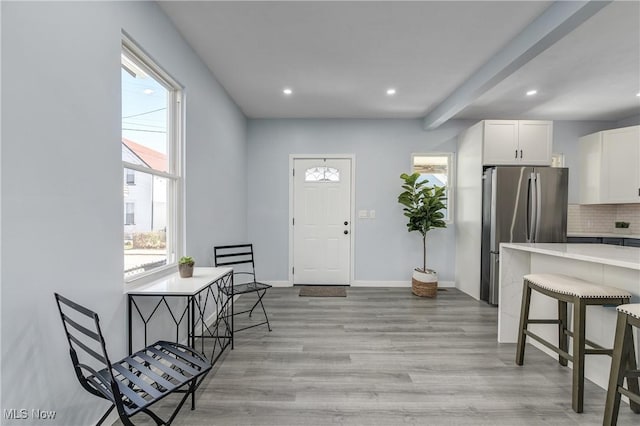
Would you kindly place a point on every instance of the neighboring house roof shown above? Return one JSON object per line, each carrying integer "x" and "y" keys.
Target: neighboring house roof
{"x": 152, "y": 158}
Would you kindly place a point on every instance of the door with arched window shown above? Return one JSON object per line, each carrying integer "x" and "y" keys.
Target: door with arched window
{"x": 322, "y": 221}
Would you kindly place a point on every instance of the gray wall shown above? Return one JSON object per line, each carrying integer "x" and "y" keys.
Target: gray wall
{"x": 61, "y": 179}
{"x": 634, "y": 120}
{"x": 384, "y": 250}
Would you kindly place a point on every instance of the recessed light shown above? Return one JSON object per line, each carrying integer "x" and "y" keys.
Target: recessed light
{"x": 531, "y": 92}
{"x": 287, "y": 91}
{"x": 391, "y": 92}
{"x": 148, "y": 91}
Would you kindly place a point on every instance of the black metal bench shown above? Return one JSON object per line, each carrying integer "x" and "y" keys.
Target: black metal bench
{"x": 136, "y": 382}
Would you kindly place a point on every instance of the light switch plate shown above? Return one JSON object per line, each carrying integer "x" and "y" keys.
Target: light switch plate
{"x": 362, "y": 214}
{"x": 372, "y": 214}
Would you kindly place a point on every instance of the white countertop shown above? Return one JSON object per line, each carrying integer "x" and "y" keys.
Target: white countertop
{"x": 602, "y": 235}
{"x": 625, "y": 257}
{"x": 173, "y": 285}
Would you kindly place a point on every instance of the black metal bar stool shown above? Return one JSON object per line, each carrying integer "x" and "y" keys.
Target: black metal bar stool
{"x": 623, "y": 365}
{"x": 581, "y": 294}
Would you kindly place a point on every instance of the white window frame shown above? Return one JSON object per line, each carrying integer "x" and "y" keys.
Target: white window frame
{"x": 175, "y": 153}
{"x": 133, "y": 177}
{"x": 126, "y": 213}
{"x": 450, "y": 178}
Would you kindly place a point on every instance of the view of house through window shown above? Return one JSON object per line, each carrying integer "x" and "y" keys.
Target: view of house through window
{"x": 150, "y": 143}
{"x": 437, "y": 169}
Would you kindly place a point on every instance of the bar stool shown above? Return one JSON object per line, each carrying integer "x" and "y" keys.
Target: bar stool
{"x": 581, "y": 294}
{"x": 623, "y": 365}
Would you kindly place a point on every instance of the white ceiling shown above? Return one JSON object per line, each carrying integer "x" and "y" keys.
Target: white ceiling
{"x": 340, "y": 57}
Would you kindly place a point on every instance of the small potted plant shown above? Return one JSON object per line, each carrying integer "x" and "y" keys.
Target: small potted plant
{"x": 185, "y": 266}
{"x": 423, "y": 206}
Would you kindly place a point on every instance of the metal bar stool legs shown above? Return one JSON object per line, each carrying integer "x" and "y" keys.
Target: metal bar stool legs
{"x": 623, "y": 365}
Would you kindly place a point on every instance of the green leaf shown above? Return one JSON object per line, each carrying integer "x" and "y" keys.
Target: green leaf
{"x": 423, "y": 204}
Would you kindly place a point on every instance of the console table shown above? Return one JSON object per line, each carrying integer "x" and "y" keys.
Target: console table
{"x": 198, "y": 302}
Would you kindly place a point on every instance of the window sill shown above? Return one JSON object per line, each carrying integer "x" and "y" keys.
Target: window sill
{"x": 147, "y": 277}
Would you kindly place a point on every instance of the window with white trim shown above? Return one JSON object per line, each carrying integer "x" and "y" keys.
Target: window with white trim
{"x": 129, "y": 213}
{"x": 151, "y": 147}
{"x": 131, "y": 177}
{"x": 437, "y": 168}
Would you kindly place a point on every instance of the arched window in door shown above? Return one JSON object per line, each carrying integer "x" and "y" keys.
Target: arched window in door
{"x": 322, "y": 174}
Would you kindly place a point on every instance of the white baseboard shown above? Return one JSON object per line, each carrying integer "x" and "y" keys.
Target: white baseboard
{"x": 365, "y": 283}
{"x": 279, "y": 283}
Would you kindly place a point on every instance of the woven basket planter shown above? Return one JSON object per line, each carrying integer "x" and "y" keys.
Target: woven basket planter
{"x": 424, "y": 284}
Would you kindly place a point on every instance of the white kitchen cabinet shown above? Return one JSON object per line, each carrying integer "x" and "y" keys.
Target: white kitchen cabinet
{"x": 621, "y": 166}
{"x": 489, "y": 142}
{"x": 517, "y": 142}
{"x": 610, "y": 166}
{"x": 591, "y": 169}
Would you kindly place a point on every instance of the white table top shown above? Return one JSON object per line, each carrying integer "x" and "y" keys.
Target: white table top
{"x": 173, "y": 285}
{"x": 625, "y": 257}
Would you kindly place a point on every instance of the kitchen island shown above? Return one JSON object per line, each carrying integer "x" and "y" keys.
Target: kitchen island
{"x": 598, "y": 263}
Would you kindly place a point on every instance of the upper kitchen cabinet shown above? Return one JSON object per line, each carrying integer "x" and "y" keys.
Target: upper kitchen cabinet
{"x": 610, "y": 166}
{"x": 621, "y": 166}
{"x": 517, "y": 142}
{"x": 591, "y": 169}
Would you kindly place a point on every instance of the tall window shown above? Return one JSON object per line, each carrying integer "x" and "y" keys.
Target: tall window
{"x": 131, "y": 177}
{"x": 151, "y": 147}
{"x": 437, "y": 168}
{"x": 129, "y": 214}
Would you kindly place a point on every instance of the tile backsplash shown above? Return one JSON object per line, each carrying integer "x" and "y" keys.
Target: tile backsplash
{"x": 602, "y": 217}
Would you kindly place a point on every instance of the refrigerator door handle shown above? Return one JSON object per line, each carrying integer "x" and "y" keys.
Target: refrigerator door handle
{"x": 538, "y": 208}
{"x": 531, "y": 208}
{"x": 527, "y": 214}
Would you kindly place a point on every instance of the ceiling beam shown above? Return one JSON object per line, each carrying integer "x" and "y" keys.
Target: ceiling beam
{"x": 554, "y": 23}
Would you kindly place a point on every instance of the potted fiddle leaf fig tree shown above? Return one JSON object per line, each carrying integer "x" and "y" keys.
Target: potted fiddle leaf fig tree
{"x": 423, "y": 205}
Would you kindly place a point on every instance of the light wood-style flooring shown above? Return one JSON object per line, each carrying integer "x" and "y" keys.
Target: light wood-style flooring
{"x": 382, "y": 356}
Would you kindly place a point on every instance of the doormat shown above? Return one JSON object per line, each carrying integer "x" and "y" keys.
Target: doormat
{"x": 323, "y": 291}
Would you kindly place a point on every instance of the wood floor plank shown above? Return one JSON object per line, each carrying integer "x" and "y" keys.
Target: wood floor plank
{"x": 382, "y": 356}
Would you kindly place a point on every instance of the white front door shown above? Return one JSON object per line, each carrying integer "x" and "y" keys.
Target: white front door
{"x": 322, "y": 221}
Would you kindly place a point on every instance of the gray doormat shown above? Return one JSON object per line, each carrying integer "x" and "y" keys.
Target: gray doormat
{"x": 323, "y": 291}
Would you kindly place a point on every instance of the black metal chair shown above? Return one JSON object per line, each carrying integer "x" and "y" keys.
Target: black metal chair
{"x": 135, "y": 382}
{"x": 240, "y": 257}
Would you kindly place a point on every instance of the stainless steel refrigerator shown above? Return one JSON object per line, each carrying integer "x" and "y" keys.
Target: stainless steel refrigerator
{"x": 519, "y": 205}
